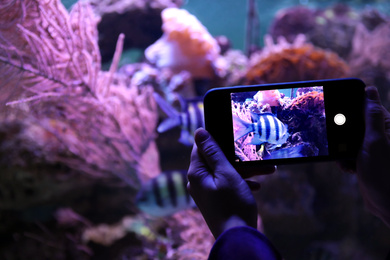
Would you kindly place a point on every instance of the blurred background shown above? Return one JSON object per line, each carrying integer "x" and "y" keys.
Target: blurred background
{"x": 99, "y": 101}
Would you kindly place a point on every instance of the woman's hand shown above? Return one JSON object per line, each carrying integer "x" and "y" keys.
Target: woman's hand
{"x": 221, "y": 194}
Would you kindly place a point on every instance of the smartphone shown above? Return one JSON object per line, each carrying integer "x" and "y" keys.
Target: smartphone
{"x": 287, "y": 123}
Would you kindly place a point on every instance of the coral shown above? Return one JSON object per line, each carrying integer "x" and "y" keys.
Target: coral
{"x": 47, "y": 47}
{"x": 184, "y": 235}
{"x": 196, "y": 236}
{"x": 138, "y": 20}
{"x": 73, "y": 117}
{"x": 223, "y": 43}
{"x": 359, "y": 37}
{"x": 270, "y": 97}
{"x": 305, "y": 116}
{"x": 283, "y": 62}
{"x": 185, "y": 45}
{"x": 370, "y": 57}
{"x": 291, "y": 22}
{"x": 372, "y": 18}
{"x": 312, "y": 102}
{"x": 338, "y": 22}
{"x": 236, "y": 64}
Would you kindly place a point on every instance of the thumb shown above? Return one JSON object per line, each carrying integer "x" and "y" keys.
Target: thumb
{"x": 374, "y": 114}
{"x": 210, "y": 151}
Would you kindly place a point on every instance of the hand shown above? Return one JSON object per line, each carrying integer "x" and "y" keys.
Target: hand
{"x": 221, "y": 194}
{"x": 373, "y": 162}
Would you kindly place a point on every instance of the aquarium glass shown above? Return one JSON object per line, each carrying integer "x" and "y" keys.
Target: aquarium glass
{"x": 100, "y": 99}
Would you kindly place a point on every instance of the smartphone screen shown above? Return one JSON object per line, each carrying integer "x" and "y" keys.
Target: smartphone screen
{"x": 279, "y": 123}
{"x": 287, "y": 123}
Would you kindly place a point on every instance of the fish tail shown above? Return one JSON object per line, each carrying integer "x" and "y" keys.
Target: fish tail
{"x": 243, "y": 128}
{"x": 173, "y": 119}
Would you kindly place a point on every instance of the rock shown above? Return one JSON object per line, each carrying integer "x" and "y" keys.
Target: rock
{"x": 139, "y": 20}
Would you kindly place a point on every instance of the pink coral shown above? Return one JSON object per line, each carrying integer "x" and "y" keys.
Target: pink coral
{"x": 270, "y": 97}
{"x": 185, "y": 45}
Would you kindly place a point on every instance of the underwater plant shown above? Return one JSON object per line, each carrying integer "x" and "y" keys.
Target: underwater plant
{"x": 78, "y": 138}
{"x": 297, "y": 61}
{"x": 185, "y": 45}
{"x": 70, "y": 113}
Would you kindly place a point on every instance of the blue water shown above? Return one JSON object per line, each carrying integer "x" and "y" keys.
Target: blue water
{"x": 228, "y": 17}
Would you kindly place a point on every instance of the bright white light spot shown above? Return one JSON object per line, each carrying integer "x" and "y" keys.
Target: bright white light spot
{"x": 339, "y": 119}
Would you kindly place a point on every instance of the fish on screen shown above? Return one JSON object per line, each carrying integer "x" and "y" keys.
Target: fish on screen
{"x": 277, "y": 124}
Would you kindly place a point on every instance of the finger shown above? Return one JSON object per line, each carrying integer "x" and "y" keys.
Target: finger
{"x": 210, "y": 151}
{"x": 197, "y": 168}
{"x": 374, "y": 114}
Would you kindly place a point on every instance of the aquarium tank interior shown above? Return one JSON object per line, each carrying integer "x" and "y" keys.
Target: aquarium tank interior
{"x": 100, "y": 99}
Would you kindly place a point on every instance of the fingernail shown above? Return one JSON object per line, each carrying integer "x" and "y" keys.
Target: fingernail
{"x": 201, "y": 135}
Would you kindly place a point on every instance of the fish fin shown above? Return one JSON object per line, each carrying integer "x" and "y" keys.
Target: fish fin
{"x": 186, "y": 138}
{"x": 274, "y": 146}
{"x": 183, "y": 103}
{"x": 168, "y": 124}
{"x": 256, "y": 140}
{"x": 173, "y": 119}
{"x": 243, "y": 128}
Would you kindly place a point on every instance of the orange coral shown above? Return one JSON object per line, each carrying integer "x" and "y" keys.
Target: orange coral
{"x": 184, "y": 28}
{"x": 270, "y": 97}
{"x": 311, "y": 103}
{"x": 185, "y": 45}
{"x": 283, "y": 62}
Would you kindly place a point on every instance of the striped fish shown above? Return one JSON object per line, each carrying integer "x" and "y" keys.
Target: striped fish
{"x": 188, "y": 119}
{"x": 165, "y": 194}
{"x": 266, "y": 128}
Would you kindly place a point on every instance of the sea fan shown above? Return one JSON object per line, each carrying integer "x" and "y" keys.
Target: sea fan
{"x": 44, "y": 51}
{"x": 51, "y": 82}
